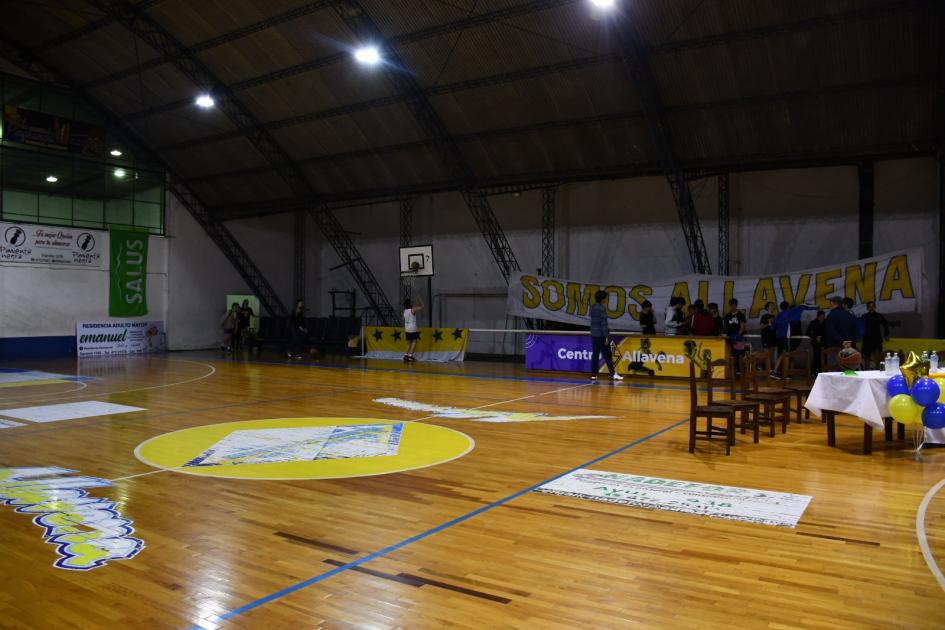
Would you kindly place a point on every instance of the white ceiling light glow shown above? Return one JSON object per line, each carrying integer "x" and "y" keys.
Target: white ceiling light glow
{"x": 604, "y": 4}
{"x": 368, "y": 55}
{"x": 205, "y": 101}
{"x": 120, "y": 173}
{"x": 52, "y": 179}
{"x": 115, "y": 153}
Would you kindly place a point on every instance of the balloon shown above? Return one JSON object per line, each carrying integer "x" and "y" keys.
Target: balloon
{"x": 925, "y": 392}
{"x": 903, "y": 409}
{"x": 897, "y": 385}
{"x": 941, "y": 388}
{"x": 914, "y": 368}
{"x": 934, "y": 416}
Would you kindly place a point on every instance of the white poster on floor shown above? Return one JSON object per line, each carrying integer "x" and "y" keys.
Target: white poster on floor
{"x": 105, "y": 339}
{"x": 655, "y": 493}
{"x": 28, "y": 243}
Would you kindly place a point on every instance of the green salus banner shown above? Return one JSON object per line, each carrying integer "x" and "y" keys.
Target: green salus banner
{"x": 128, "y": 288}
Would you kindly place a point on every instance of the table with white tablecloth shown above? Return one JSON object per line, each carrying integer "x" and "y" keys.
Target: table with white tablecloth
{"x": 863, "y": 395}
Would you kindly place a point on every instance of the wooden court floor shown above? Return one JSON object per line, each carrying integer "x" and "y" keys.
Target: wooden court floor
{"x": 462, "y": 543}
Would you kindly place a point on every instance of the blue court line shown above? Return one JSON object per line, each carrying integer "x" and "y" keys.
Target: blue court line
{"x": 527, "y": 379}
{"x": 216, "y": 619}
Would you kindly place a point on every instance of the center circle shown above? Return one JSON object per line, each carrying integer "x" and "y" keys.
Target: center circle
{"x": 304, "y": 448}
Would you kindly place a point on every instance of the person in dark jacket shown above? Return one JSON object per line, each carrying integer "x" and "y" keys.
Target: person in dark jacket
{"x": 700, "y": 322}
{"x": 647, "y": 318}
{"x": 717, "y": 323}
{"x": 600, "y": 334}
{"x": 816, "y": 331}
{"x": 875, "y": 331}
{"x": 841, "y": 325}
{"x": 297, "y": 330}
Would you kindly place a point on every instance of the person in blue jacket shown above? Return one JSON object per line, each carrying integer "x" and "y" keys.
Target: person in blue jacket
{"x": 600, "y": 332}
{"x": 783, "y": 321}
{"x": 841, "y": 325}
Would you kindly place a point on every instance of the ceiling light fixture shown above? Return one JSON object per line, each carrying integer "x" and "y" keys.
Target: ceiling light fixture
{"x": 52, "y": 179}
{"x": 115, "y": 153}
{"x": 604, "y": 4}
{"x": 205, "y": 100}
{"x": 120, "y": 173}
{"x": 368, "y": 55}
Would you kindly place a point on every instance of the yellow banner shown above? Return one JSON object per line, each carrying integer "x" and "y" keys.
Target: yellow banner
{"x": 666, "y": 356}
{"x": 435, "y": 344}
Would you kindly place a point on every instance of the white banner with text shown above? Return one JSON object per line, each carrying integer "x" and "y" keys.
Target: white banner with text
{"x": 105, "y": 339}
{"x": 893, "y": 281}
{"x": 28, "y": 243}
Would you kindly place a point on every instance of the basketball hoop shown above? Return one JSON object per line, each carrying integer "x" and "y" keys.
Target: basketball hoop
{"x": 415, "y": 266}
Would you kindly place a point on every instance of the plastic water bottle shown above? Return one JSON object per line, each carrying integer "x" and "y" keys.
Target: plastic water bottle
{"x": 888, "y": 365}
{"x": 895, "y": 364}
{"x": 933, "y": 361}
{"x": 925, "y": 356}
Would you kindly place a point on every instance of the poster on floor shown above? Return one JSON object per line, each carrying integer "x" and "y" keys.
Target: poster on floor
{"x": 763, "y": 507}
{"x": 893, "y": 281}
{"x": 44, "y": 244}
{"x": 106, "y": 339}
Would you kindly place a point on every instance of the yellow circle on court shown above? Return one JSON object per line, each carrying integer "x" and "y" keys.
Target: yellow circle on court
{"x": 304, "y": 448}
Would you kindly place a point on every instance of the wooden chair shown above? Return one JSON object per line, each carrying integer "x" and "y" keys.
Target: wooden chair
{"x": 830, "y": 361}
{"x": 747, "y": 410}
{"x": 709, "y": 412}
{"x": 794, "y": 368}
{"x": 775, "y": 402}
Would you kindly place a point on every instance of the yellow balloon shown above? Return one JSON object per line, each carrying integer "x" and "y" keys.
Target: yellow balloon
{"x": 905, "y": 410}
{"x": 940, "y": 381}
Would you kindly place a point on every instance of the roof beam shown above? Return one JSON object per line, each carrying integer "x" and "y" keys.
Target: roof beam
{"x": 899, "y": 6}
{"x": 520, "y": 182}
{"x": 88, "y": 29}
{"x": 403, "y": 83}
{"x": 580, "y": 121}
{"x": 634, "y": 58}
{"x": 187, "y": 63}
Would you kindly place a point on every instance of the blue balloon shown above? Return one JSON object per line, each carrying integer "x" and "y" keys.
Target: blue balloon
{"x": 925, "y": 392}
{"x": 897, "y": 385}
{"x": 934, "y": 416}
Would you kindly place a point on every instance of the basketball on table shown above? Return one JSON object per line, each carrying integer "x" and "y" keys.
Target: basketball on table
{"x": 849, "y": 358}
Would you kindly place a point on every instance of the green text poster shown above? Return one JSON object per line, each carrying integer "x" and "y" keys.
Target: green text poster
{"x": 128, "y": 276}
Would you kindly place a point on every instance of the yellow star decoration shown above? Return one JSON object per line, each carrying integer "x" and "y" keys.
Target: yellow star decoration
{"x": 914, "y": 368}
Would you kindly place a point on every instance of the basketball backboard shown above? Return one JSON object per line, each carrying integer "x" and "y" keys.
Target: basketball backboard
{"x": 416, "y": 260}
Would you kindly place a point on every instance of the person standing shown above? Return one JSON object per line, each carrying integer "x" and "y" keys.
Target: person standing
{"x": 647, "y": 318}
{"x": 718, "y": 324}
{"x": 735, "y": 329}
{"x": 244, "y": 326}
{"x": 700, "y": 323}
{"x": 841, "y": 325}
{"x": 410, "y": 328}
{"x": 675, "y": 318}
{"x": 600, "y": 334}
{"x": 816, "y": 331}
{"x": 297, "y": 330}
{"x": 875, "y": 331}
{"x": 790, "y": 316}
{"x": 229, "y": 323}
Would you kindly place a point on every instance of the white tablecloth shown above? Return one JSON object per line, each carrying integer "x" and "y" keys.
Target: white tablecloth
{"x": 862, "y": 395}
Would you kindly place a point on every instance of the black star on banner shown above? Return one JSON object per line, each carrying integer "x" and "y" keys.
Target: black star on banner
{"x": 396, "y": 335}
{"x": 437, "y": 335}
{"x": 458, "y": 334}
{"x": 378, "y": 335}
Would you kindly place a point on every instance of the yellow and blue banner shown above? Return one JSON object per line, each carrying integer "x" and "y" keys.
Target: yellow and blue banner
{"x": 435, "y": 344}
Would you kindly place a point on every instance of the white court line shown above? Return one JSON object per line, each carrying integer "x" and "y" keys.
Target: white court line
{"x": 212, "y": 371}
{"x": 81, "y": 386}
{"x": 920, "y": 534}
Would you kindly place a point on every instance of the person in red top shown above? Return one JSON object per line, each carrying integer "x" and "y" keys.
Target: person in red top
{"x": 702, "y": 323}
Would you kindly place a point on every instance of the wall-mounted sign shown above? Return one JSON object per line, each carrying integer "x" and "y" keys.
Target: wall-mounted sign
{"x": 28, "y": 243}
{"x": 54, "y": 132}
{"x": 105, "y": 339}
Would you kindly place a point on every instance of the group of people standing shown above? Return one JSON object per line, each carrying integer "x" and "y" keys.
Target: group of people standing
{"x": 237, "y": 326}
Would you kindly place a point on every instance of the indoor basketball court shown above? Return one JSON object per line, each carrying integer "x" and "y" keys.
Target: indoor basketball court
{"x": 389, "y": 314}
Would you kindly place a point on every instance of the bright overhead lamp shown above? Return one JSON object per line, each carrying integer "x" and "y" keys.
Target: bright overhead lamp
{"x": 368, "y": 55}
{"x": 205, "y": 101}
{"x": 115, "y": 153}
{"x": 604, "y": 4}
{"x": 52, "y": 179}
{"x": 120, "y": 173}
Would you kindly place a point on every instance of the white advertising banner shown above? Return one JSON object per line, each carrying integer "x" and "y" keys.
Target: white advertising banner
{"x": 28, "y": 243}
{"x": 893, "y": 281}
{"x": 655, "y": 493}
{"x": 105, "y": 339}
